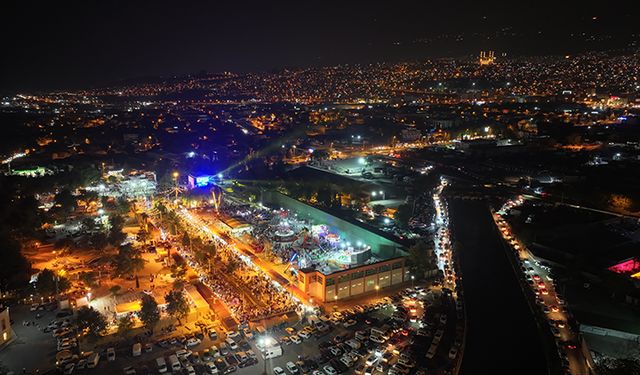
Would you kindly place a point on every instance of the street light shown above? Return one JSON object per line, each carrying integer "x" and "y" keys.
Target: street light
{"x": 412, "y": 278}
{"x": 377, "y": 290}
{"x": 265, "y": 341}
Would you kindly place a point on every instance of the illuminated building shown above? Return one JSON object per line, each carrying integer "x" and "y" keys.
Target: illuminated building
{"x": 487, "y": 58}
{"x": 6, "y": 332}
{"x": 136, "y": 186}
{"x": 361, "y": 261}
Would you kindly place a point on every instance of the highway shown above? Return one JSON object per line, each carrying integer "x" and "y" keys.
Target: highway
{"x": 501, "y": 331}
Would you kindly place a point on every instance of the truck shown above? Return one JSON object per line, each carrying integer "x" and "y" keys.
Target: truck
{"x": 272, "y": 352}
{"x": 381, "y": 332}
{"x": 137, "y": 349}
{"x": 93, "y": 360}
{"x": 161, "y": 365}
{"x": 174, "y": 363}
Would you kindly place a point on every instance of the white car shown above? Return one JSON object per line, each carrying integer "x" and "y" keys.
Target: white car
{"x": 453, "y": 353}
{"x": 233, "y": 334}
{"x": 214, "y": 351}
{"x": 232, "y": 344}
{"x": 183, "y": 354}
{"x": 278, "y": 371}
{"x": 377, "y": 339}
{"x": 193, "y": 341}
{"x": 211, "y": 368}
{"x": 190, "y": 370}
{"x": 111, "y": 354}
{"x": 304, "y": 334}
{"x": 354, "y": 344}
{"x": 329, "y": 370}
{"x": 292, "y": 368}
{"x": 349, "y": 323}
{"x": 295, "y": 339}
{"x": 247, "y": 333}
{"x": 438, "y": 335}
{"x": 346, "y": 360}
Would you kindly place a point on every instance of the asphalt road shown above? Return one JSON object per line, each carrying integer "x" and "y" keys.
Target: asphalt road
{"x": 501, "y": 332}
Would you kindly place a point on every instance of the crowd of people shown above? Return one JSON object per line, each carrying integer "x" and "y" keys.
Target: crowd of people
{"x": 273, "y": 300}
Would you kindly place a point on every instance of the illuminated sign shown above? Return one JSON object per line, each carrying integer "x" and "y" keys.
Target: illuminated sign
{"x": 626, "y": 267}
{"x": 203, "y": 180}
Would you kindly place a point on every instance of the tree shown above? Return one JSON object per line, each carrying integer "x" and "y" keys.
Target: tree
{"x": 186, "y": 240}
{"x": 178, "y": 271}
{"x": 99, "y": 240}
{"x": 91, "y": 320}
{"x": 25, "y": 214}
{"x": 85, "y": 175}
{"x": 143, "y": 236}
{"x": 421, "y": 259}
{"x": 320, "y": 155}
{"x": 206, "y": 254}
{"x": 47, "y": 280}
{"x": 89, "y": 278}
{"x": 65, "y": 200}
{"x": 177, "y": 304}
{"x": 125, "y": 326}
{"x": 14, "y": 267}
{"x": 325, "y": 196}
{"x": 115, "y": 289}
{"x": 403, "y": 214}
{"x": 232, "y": 266}
{"x": 123, "y": 206}
{"x": 88, "y": 224}
{"x": 149, "y": 313}
{"x": 620, "y": 202}
{"x": 116, "y": 236}
{"x": 128, "y": 262}
{"x": 378, "y": 209}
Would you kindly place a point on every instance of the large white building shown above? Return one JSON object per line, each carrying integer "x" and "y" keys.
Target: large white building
{"x": 6, "y": 332}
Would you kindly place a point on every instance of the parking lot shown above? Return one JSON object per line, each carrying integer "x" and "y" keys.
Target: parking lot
{"x": 32, "y": 349}
{"x": 387, "y": 337}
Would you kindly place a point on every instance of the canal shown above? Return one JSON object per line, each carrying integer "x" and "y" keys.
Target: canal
{"x": 502, "y": 335}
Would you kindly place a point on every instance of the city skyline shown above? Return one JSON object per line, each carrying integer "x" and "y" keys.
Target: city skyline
{"x": 54, "y": 46}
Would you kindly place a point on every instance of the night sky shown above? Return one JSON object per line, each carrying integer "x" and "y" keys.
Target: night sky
{"x": 66, "y": 44}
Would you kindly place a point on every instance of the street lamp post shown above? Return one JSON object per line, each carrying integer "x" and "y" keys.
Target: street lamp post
{"x": 265, "y": 342}
{"x": 412, "y": 278}
{"x": 377, "y": 291}
{"x": 175, "y": 180}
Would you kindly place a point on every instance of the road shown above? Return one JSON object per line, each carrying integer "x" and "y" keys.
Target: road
{"x": 550, "y": 303}
{"x": 501, "y": 329}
